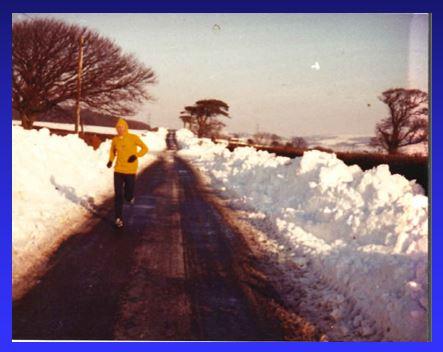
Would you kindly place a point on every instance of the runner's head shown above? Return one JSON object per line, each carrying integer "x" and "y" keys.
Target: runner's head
{"x": 122, "y": 127}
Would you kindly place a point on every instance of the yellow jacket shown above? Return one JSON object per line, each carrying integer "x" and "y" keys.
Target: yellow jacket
{"x": 124, "y": 146}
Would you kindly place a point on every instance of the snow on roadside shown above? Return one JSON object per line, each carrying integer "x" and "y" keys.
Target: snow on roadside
{"x": 365, "y": 232}
{"x": 57, "y": 182}
{"x": 71, "y": 127}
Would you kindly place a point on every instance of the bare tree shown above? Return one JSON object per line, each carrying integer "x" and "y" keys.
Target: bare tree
{"x": 44, "y": 71}
{"x": 275, "y": 139}
{"x": 299, "y": 142}
{"x": 407, "y": 122}
{"x": 202, "y": 118}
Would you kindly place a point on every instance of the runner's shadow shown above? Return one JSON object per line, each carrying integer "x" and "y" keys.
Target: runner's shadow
{"x": 77, "y": 298}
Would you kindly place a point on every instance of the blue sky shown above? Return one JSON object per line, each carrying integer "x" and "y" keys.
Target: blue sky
{"x": 262, "y": 65}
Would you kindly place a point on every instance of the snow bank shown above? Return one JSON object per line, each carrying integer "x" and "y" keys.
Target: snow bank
{"x": 71, "y": 127}
{"x": 156, "y": 141}
{"x": 56, "y": 182}
{"x": 366, "y": 232}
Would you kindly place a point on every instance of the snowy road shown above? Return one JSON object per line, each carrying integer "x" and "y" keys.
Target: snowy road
{"x": 177, "y": 271}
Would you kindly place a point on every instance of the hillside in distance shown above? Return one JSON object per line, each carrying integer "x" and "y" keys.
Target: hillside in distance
{"x": 63, "y": 115}
{"x": 357, "y": 143}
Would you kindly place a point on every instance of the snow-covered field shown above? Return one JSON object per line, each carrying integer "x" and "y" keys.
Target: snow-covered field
{"x": 71, "y": 127}
{"x": 365, "y": 233}
{"x": 356, "y": 143}
{"x": 338, "y": 143}
{"x": 57, "y": 183}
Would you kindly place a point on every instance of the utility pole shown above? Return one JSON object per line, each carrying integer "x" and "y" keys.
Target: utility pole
{"x": 79, "y": 84}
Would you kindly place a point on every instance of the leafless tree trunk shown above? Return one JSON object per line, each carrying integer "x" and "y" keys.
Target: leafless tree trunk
{"x": 79, "y": 85}
{"x": 27, "y": 119}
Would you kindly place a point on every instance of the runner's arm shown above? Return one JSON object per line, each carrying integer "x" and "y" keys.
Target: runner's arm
{"x": 144, "y": 148}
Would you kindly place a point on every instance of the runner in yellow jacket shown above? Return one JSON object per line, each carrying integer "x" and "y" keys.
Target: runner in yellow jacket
{"x": 124, "y": 146}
